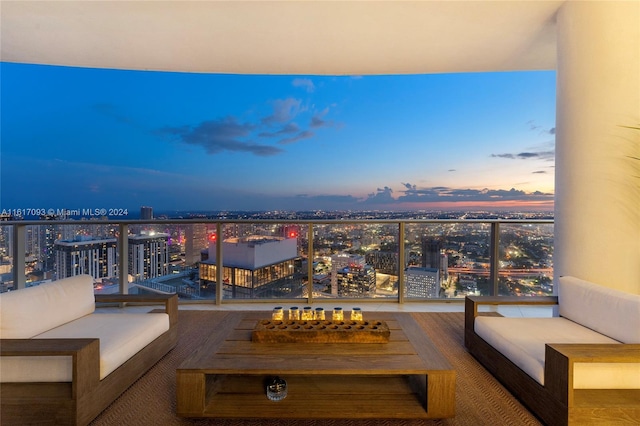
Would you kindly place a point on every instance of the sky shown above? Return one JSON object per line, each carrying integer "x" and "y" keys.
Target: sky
{"x": 76, "y": 138}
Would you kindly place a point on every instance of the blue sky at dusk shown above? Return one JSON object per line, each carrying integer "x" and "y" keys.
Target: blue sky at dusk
{"x": 78, "y": 138}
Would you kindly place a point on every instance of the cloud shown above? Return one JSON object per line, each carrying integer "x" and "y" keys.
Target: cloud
{"x": 540, "y": 129}
{"x": 318, "y": 121}
{"x": 381, "y": 196}
{"x": 287, "y": 129}
{"x": 283, "y": 110}
{"x": 539, "y": 172}
{"x": 510, "y": 156}
{"x": 305, "y": 83}
{"x": 306, "y": 134}
{"x": 228, "y": 134}
{"x": 541, "y": 155}
{"x": 409, "y": 186}
{"x": 217, "y": 136}
{"x": 414, "y": 194}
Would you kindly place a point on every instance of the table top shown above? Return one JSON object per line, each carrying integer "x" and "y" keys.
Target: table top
{"x": 231, "y": 351}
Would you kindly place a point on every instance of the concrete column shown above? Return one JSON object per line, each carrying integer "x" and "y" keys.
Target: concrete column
{"x": 597, "y": 206}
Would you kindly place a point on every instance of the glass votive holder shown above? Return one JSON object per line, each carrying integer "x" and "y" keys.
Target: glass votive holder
{"x": 356, "y": 314}
{"x": 319, "y": 314}
{"x": 277, "y": 389}
{"x": 338, "y": 315}
{"x": 294, "y": 313}
{"x": 307, "y": 313}
{"x": 277, "y": 314}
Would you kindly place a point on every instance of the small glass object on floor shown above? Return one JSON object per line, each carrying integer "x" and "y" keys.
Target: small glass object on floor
{"x": 356, "y": 314}
{"x": 277, "y": 314}
{"x": 294, "y": 313}
{"x": 276, "y": 389}
{"x": 338, "y": 315}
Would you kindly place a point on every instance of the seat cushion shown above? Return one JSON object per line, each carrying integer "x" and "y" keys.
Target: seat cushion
{"x": 611, "y": 312}
{"x": 121, "y": 336}
{"x": 522, "y": 340}
{"x": 30, "y": 311}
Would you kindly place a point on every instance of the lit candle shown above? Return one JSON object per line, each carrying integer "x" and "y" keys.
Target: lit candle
{"x": 338, "y": 314}
{"x": 356, "y": 314}
{"x": 277, "y": 314}
{"x": 294, "y": 313}
{"x": 307, "y": 313}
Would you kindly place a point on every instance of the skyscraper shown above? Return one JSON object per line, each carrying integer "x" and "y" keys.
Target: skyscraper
{"x": 146, "y": 213}
{"x": 431, "y": 253}
{"x": 341, "y": 261}
{"x": 86, "y": 255}
{"x": 195, "y": 240}
{"x": 148, "y": 255}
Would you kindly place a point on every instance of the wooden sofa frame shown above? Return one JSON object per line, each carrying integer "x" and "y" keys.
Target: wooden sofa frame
{"x": 557, "y": 403}
{"x": 80, "y": 401}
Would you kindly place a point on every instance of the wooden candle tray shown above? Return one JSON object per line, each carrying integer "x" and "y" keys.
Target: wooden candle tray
{"x": 319, "y": 331}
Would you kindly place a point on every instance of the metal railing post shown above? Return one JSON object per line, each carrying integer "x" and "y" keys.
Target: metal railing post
{"x": 219, "y": 267}
{"x": 123, "y": 258}
{"x": 310, "y": 262}
{"x": 401, "y": 262}
{"x": 19, "y": 261}
{"x": 494, "y": 259}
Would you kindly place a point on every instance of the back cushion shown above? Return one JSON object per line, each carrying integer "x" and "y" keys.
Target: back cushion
{"x": 30, "y": 311}
{"x": 611, "y": 312}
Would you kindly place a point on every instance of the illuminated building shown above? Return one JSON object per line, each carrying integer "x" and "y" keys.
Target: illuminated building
{"x": 253, "y": 266}
{"x": 148, "y": 255}
{"x": 195, "y": 240}
{"x": 341, "y": 261}
{"x": 86, "y": 255}
{"x": 422, "y": 282}
{"x": 356, "y": 281}
{"x": 385, "y": 262}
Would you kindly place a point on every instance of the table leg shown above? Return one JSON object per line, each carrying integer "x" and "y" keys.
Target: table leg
{"x": 190, "y": 393}
{"x": 441, "y": 394}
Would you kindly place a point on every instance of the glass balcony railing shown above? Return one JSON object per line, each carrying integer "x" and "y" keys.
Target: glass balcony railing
{"x": 226, "y": 261}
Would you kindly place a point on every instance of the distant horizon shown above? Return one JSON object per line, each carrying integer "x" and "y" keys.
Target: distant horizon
{"x": 135, "y": 214}
{"x": 80, "y": 138}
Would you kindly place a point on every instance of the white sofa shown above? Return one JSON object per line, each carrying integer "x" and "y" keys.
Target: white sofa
{"x": 581, "y": 367}
{"x": 61, "y": 362}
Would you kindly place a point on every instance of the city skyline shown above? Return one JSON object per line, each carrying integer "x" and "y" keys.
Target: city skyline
{"x": 76, "y": 138}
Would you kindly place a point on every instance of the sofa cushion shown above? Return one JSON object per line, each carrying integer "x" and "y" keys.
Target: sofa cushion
{"x": 30, "y": 311}
{"x": 121, "y": 336}
{"x": 522, "y": 340}
{"x": 611, "y": 312}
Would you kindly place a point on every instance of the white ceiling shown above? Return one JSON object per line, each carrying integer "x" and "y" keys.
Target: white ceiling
{"x": 283, "y": 37}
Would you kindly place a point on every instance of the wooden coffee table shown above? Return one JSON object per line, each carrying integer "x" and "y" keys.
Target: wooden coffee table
{"x": 407, "y": 378}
